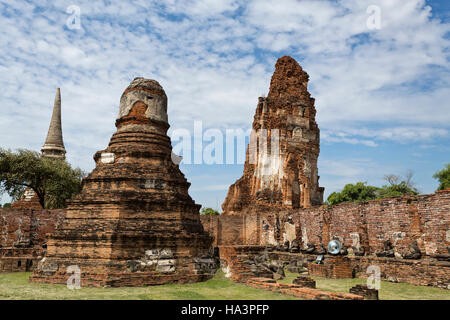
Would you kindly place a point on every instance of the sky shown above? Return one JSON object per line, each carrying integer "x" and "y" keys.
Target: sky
{"x": 379, "y": 71}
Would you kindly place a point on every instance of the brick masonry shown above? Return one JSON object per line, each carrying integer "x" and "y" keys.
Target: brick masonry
{"x": 333, "y": 267}
{"x": 23, "y": 232}
{"x": 300, "y": 291}
{"x": 285, "y": 133}
{"x": 401, "y": 220}
{"x": 426, "y": 272}
{"x": 423, "y": 219}
{"x": 365, "y": 291}
{"x": 23, "y": 235}
{"x": 134, "y": 222}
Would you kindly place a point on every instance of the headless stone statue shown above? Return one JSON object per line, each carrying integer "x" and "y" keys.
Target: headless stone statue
{"x": 359, "y": 252}
{"x": 321, "y": 250}
{"x": 285, "y": 246}
{"x": 414, "y": 252}
{"x": 388, "y": 250}
{"x": 310, "y": 248}
{"x": 294, "y": 246}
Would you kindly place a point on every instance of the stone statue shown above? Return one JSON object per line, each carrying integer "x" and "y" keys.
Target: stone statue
{"x": 359, "y": 252}
{"x": 321, "y": 250}
{"x": 285, "y": 247}
{"x": 414, "y": 252}
{"x": 310, "y": 248}
{"x": 388, "y": 250}
{"x": 295, "y": 248}
{"x": 343, "y": 251}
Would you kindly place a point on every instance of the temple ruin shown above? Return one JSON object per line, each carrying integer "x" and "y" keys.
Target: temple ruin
{"x": 134, "y": 222}
{"x": 281, "y": 163}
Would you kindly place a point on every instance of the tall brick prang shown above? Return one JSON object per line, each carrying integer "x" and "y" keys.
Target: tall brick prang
{"x": 281, "y": 164}
{"x": 134, "y": 222}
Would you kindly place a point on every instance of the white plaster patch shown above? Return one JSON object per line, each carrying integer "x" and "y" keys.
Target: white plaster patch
{"x": 166, "y": 262}
{"x": 271, "y": 238}
{"x": 107, "y": 157}
{"x": 430, "y": 248}
{"x": 447, "y": 235}
{"x": 269, "y": 167}
{"x": 306, "y": 167}
{"x": 355, "y": 240}
{"x": 304, "y": 238}
{"x": 156, "y": 105}
{"x": 398, "y": 236}
{"x": 226, "y": 270}
{"x": 289, "y": 233}
{"x": 154, "y": 184}
{"x": 28, "y": 195}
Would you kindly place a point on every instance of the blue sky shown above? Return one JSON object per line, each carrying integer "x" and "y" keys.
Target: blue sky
{"x": 382, "y": 95}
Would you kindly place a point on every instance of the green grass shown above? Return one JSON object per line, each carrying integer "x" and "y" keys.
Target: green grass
{"x": 17, "y": 286}
{"x": 388, "y": 290}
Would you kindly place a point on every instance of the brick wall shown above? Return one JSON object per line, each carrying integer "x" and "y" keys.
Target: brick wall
{"x": 334, "y": 267}
{"x": 402, "y": 220}
{"x": 300, "y": 291}
{"x": 426, "y": 272}
{"x": 22, "y": 236}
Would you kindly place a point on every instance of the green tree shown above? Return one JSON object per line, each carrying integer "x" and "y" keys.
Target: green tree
{"x": 443, "y": 177}
{"x": 398, "y": 186}
{"x": 209, "y": 211}
{"x": 53, "y": 180}
{"x": 6, "y": 205}
{"x": 353, "y": 192}
{"x": 396, "y": 190}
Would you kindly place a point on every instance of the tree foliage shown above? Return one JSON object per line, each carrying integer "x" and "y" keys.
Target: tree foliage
{"x": 397, "y": 186}
{"x": 443, "y": 177}
{"x": 353, "y": 192}
{"x": 53, "y": 180}
{"x": 209, "y": 211}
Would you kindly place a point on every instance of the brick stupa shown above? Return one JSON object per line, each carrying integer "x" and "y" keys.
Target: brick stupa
{"x": 134, "y": 222}
{"x": 281, "y": 172}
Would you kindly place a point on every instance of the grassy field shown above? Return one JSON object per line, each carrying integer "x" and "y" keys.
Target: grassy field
{"x": 17, "y": 286}
{"x": 388, "y": 290}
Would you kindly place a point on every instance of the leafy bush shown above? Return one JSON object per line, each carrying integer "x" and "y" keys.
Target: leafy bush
{"x": 209, "y": 211}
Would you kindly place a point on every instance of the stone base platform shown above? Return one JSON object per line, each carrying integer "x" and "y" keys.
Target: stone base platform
{"x": 123, "y": 279}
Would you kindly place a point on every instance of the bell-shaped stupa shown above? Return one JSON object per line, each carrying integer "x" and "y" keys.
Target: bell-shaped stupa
{"x": 134, "y": 222}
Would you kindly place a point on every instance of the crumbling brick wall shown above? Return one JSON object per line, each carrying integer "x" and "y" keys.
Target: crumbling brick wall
{"x": 424, "y": 219}
{"x": 402, "y": 220}
{"x": 23, "y": 234}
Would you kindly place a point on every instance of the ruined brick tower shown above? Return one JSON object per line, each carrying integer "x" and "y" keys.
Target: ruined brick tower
{"x": 134, "y": 222}
{"x": 281, "y": 164}
{"x": 54, "y": 145}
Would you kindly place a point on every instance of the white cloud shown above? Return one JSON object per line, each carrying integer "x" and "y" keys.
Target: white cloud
{"x": 214, "y": 58}
{"x": 398, "y": 134}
